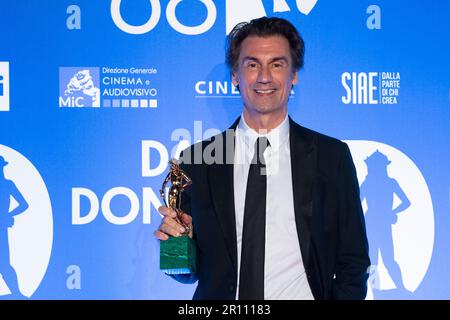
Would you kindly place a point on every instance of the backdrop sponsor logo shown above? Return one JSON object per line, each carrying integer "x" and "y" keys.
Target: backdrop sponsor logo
{"x": 399, "y": 218}
{"x": 26, "y": 225}
{"x": 107, "y": 87}
{"x": 79, "y": 87}
{"x": 219, "y": 89}
{"x": 171, "y": 16}
{"x": 4, "y": 86}
{"x": 129, "y": 87}
{"x": 215, "y": 89}
{"x": 236, "y": 11}
{"x": 370, "y": 87}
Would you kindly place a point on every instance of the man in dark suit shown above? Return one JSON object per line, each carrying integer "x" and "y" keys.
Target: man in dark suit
{"x": 274, "y": 207}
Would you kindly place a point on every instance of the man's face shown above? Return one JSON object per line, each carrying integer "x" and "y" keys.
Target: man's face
{"x": 265, "y": 75}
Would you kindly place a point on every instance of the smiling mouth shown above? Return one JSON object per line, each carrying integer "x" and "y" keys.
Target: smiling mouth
{"x": 264, "y": 92}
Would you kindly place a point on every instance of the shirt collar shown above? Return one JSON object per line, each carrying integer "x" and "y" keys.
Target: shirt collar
{"x": 276, "y": 136}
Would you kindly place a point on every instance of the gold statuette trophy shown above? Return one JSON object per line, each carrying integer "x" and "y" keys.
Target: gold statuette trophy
{"x": 177, "y": 254}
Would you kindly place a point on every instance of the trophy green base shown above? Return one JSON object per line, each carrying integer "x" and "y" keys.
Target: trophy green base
{"x": 178, "y": 255}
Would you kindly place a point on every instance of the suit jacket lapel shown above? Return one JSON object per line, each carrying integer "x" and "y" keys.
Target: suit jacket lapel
{"x": 303, "y": 165}
{"x": 221, "y": 181}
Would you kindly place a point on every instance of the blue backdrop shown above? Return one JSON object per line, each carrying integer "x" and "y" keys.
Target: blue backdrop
{"x": 95, "y": 96}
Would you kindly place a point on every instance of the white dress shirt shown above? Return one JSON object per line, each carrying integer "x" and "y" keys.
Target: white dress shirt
{"x": 284, "y": 273}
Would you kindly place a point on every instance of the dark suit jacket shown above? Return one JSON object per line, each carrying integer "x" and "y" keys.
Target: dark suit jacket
{"x": 329, "y": 218}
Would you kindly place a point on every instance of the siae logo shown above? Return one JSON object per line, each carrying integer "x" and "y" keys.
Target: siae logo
{"x": 79, "y": 87}
{"x": 360, "y": 88}
{"x": 26, "y": 226}
{"x": 236, "y": 11}
{"x": 370, "y": 87}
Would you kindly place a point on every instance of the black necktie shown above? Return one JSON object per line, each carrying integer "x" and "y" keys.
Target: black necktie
{"x": 251, "y": 280}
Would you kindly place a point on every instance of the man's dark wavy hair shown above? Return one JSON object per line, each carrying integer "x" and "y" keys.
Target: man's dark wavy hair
{"x": 265, "y": 27}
